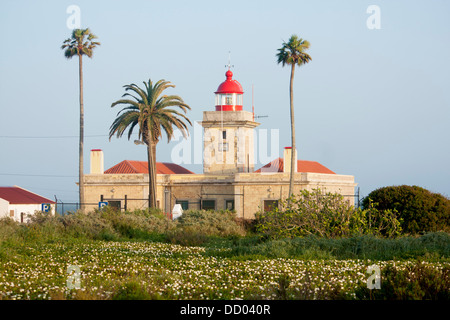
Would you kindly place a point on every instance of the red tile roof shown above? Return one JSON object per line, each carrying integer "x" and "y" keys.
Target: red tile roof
{"x": 17, "y": 195}
{"x": 129, "y": 166}
{"x": 302, "y": 166}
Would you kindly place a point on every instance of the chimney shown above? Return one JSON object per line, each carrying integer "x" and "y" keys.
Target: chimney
{"x": 287, "y": 160}
{"x": 97, "y": 161}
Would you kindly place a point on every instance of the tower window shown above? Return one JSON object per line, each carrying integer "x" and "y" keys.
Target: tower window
{"x": 223, "y": 146}
{"x": 224, "y": 135}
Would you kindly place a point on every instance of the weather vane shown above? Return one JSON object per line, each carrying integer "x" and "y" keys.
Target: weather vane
{"x": 229, "y": 65}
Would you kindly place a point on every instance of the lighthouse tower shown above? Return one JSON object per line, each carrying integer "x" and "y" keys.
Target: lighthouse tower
{"x": 228, "y": 132}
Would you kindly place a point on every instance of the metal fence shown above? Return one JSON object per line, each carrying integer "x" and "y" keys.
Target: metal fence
{"x": 126, "y": 203}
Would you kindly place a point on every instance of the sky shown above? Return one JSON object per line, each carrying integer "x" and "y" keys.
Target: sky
{"x": 373, "y": 102}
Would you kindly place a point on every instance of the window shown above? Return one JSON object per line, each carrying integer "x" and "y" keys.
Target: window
{"x": 209, "y": 204}
{"x": 239, "y": 100}
{"x": 223, "y": 146}
{"x": 270, "y": 205}
{"x": 229, "y": 99}
{"x": 184, "y": 204}
{"x": 224, "y": 134}
{"x": 114, "y": 204}
{"x": 229, "y": 205}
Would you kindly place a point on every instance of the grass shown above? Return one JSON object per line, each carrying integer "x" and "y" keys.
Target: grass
{"x": 141, "y": 255}
{"x": 432, "y": 246}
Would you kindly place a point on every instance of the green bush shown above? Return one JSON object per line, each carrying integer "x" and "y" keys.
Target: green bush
{"x": 132, "y": 290}
{"x": 416, "y": 282}
{"x": 421, "y": 210}
{"x": 217, "y": 223}
{"x": 326, "y": 215}
{"x": 195, "y": 227}
{"x": 8, "y": 229}
{"x": 106, "y": 224}
{"x": 431, "y": 246}
{"x": 138, "y": 224}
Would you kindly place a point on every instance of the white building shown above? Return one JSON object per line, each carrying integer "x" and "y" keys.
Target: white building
{"x": 19, "y": 204}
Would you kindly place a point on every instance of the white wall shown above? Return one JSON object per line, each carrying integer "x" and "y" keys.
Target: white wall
{"x": 27, "y": 209}
{"x": 4, "y": 208}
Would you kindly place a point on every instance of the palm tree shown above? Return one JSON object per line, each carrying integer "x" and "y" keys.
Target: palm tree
{"x": 152, "y": 113}
{"x": 81, "y": 43}
{"x": 293, "y": 53}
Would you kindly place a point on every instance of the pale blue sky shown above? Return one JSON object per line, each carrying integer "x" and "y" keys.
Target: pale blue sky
{"x": 372, "y": 103}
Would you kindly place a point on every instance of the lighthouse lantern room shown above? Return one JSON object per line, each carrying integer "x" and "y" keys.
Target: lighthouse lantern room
{"x": 229, "y": 94}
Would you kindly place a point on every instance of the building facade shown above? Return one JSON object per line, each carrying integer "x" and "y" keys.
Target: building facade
{"x": 229, "y": 180}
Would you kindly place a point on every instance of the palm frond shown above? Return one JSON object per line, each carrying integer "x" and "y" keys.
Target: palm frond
{"x": 151, "y": 109}
{"x": 80, "y": 43}
{"x": 293, "y": 52}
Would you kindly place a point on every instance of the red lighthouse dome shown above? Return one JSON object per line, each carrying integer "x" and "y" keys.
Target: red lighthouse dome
{"x": 229, "y": 94}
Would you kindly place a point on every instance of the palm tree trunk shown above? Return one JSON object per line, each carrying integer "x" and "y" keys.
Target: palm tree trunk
{"x": 155, "y": 173}
{"x": 291, "y": 96}
{"x": 80, "y": 160}
{"x": 151, "y": 174}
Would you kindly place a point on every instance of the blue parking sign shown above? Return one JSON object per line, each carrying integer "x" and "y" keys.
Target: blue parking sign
{"x": 45, "y": 207}
{"x": 102, "y": 204}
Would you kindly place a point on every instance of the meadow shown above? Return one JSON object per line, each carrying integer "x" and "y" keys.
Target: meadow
{"x": 141, "y": 255}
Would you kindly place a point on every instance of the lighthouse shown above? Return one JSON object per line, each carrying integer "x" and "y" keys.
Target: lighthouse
{"x": 228, "y": 131}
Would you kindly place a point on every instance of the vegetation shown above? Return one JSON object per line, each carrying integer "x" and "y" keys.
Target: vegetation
{"x": 419, "y": 209}
{"x": 82, "y": 43}
{"x": 416, "y": 281}
{"x": 152, "y": 112}
{"x": 293, "y": 53}
{"x": 212, "y": 255}
{"x": 325, "y": 215}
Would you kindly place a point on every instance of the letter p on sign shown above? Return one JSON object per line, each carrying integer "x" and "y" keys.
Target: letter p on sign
{"x": 45, "y": 207}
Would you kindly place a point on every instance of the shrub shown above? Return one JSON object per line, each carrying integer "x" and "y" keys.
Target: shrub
{"x": 132, "y": 290}
{"x": 416, "y": 282}
{"x": 421, "y": 210}
{"x": 8, "y": 229}
{"x": 325, "y": 215}
{"x": 214, "y": 223}
{"x": 89, "y": 225}
{"x": 195, "y": 227}
{"x": 138, "y": 224}
{"x": 385, "y": 223}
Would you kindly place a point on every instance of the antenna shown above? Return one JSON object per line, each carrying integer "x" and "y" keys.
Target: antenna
{"x": 253, "y": 105}
{"x": 229, "y": 65}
